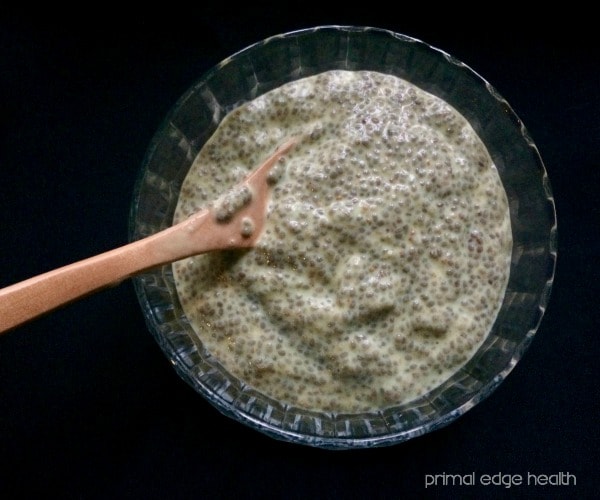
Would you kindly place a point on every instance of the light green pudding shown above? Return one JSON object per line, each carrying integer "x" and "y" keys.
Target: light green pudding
{"x": 386, "y": 252}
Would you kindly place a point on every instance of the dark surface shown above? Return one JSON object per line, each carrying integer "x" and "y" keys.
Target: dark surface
{"x": 90, "y": 407}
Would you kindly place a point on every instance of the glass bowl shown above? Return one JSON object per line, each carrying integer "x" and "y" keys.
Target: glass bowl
{"x": 290, "y": 56}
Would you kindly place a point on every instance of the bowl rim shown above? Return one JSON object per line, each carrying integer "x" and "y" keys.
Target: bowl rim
{"x": 349, "y": 442}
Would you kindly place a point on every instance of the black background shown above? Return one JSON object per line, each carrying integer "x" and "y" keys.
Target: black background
{"x": 90, "y": 407}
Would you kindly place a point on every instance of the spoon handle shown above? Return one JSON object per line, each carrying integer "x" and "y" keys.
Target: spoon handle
{"x": 35, "y": 296}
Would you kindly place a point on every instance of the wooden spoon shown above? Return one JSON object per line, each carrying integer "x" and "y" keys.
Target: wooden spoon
{"x": 235, "y": 221}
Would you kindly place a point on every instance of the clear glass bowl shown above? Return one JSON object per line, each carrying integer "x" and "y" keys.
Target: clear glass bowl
{"x": 283, "y": 58}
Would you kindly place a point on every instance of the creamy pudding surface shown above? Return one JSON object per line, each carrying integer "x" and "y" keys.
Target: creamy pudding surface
{"x": 386, "y": 252}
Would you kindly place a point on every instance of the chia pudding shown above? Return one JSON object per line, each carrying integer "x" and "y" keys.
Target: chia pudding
{"x": 386, "y": 250}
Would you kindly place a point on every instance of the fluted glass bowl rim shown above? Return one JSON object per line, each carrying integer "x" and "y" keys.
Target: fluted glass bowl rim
{"x": 393, "y": 425}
